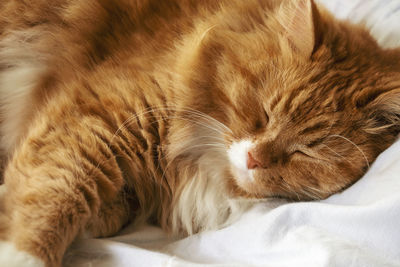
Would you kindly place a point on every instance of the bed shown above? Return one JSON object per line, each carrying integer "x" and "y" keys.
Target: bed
{"x": 358, "y": 227}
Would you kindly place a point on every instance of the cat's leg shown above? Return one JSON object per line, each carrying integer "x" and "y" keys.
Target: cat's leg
{"x": 108, "y": 221}
{"x": 58, "y": 185}
{"x": 9, "y": 254}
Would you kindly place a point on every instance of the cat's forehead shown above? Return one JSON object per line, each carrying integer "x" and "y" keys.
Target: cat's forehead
{"x": 318, "y": 88}
{"x": 300, "y": 97}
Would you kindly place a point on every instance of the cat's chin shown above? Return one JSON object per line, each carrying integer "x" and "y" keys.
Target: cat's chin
{"x": 244, "y": 179}
{"x": 251, "y": 188}
{"x": 247, "y": 184}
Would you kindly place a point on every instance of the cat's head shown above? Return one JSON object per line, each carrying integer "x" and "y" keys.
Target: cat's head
{"x": 310, "y": 101}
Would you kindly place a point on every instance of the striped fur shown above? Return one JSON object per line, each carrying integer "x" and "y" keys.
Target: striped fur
{"x": 149, "y": 110}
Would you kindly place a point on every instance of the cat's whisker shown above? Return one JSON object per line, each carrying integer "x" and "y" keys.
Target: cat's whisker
{"x": 310, "y": 194}
{"x": 315, "y": 189}
{"x": 355, "y": 145}
{"x": 208, "y": 126}
{"x": 194, "y": 112}
{"x": 204, "y": 34}
{"x": 336, "y": 153}
{"x": 215, "y": 123}
{"x": 217, "y": 138}
{"x": 201, "y": 114}
{"x": 129, "y": 119}
{"x": 289, "y": 187}
{"x": 222, "y": 147}
{"x": 188, "y": 148}
{"x": 315, "y": 192}
{"x": 152, "y": 110}
{"x": 281, "y": 187}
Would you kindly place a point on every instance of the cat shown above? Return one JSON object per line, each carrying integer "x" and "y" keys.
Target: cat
{"x": 179, "y": 112}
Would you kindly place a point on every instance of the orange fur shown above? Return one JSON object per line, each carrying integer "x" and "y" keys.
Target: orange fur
{"x": 114, "y": 111}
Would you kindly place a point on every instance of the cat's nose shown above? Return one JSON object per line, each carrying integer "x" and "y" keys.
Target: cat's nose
{"x": 252, "y": 163}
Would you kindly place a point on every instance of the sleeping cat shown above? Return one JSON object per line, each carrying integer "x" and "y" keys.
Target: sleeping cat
{"x": 181, "y": 112}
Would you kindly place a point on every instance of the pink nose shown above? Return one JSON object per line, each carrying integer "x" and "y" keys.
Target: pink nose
{"x": 252, "y": 163}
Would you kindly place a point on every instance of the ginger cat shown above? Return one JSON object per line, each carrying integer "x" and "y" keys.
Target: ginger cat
{"x": 177, "y": 111}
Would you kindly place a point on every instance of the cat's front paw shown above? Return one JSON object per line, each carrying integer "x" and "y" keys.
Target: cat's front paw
{"x": 10, "y": 256}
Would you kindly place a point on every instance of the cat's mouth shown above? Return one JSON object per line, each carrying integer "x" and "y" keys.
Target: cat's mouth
{"x": 260, "y": 188}
{"x": 260, "y": 182}
{"x": 270, "y": 187}
{"x": 298, "y": 176}
{"x": 244, "y": 176}
{"x": 245, "y": 179}
{"x": 238, "y": 156}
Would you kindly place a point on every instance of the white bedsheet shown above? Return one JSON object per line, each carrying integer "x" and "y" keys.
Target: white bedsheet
{"x": 359, "y": 227}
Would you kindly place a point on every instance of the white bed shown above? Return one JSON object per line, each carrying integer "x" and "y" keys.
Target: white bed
{"x": 359, "y": 227}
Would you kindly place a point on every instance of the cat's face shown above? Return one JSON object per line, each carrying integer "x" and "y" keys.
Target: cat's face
{"x": 309, "y": 137}
{"x": 305, "y": 127}
{"x": 310, "y": 102}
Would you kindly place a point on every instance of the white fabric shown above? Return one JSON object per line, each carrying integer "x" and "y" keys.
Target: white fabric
{"x": 359, "y": 227}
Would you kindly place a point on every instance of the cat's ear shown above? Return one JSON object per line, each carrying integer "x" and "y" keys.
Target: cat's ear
{"x": 384, "y": 109}
{"x": 302, "y": 25}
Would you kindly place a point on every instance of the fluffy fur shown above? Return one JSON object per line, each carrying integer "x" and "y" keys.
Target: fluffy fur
{"x": 11, "y": 257}
{"x": 180, "y": 112}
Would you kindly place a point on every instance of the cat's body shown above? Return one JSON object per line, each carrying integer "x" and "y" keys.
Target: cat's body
{"x": 114, "y": 111}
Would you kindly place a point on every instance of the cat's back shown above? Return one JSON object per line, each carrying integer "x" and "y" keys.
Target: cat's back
{"x": 81, "y": 35}
{"x": 48, "y": 46}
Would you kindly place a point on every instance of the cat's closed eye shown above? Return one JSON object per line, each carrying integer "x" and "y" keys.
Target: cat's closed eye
{"x": 300, "y": 153}
{"x": 152, "y": 115}
{"x": 266, "y": 116}
{"x": 261, "y": 122}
